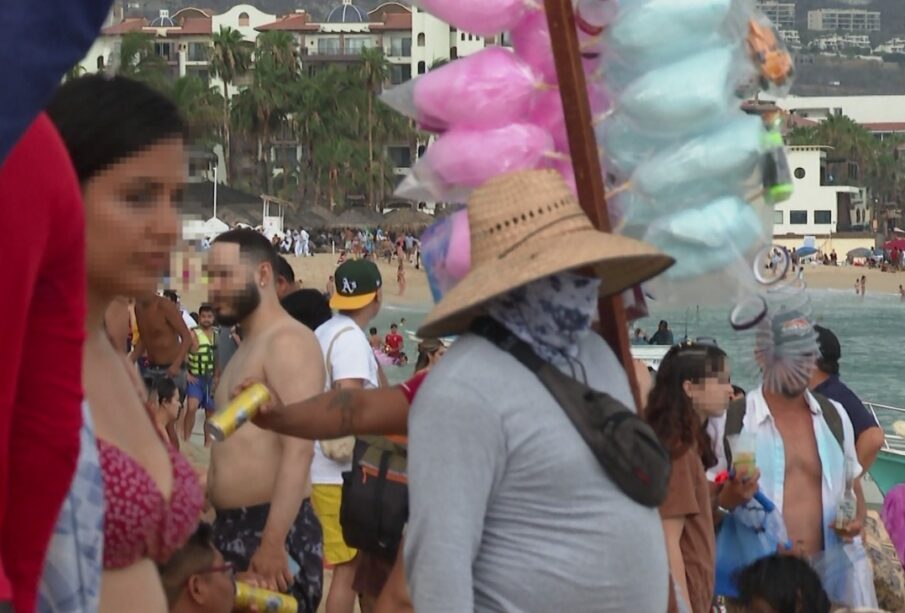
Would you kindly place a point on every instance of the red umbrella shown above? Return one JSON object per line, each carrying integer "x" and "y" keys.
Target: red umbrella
{"x": 898, "y": 243}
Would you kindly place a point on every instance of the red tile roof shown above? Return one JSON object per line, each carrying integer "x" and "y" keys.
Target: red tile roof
{"x": 290, "y": 23}
{"x": 394, "y": 21}
{"x": 194, "y": 27}
{"x": 134, "y": 24}
{"x": 892, "y": 126}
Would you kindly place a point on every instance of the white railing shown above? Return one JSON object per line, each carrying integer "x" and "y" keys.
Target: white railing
{"x": 893, "y": 441}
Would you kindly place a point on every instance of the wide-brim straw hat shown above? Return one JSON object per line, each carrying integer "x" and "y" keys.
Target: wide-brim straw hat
{"x": 526, "y": 226}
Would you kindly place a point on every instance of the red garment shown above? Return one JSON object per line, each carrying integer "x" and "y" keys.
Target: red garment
{"x": 394, "y": 343}
{"x": 410, "y": 387}
{"x": 42, "y": 330}
{"x": 137, "y": 516}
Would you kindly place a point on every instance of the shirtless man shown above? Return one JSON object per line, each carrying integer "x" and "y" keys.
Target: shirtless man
{"x": 164, "y": 337}
{"x": 259, "y": 481}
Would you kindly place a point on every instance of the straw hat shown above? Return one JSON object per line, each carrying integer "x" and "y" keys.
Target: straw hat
{"x": 526, "y": 226}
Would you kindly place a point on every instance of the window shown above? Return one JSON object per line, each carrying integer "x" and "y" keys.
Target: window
{"x": 422, "y": 67}
{"x": 400, "y": 157}
{"x": 401, "y": 47}
{"x": 798, "y": 218}
{"x": 454, "y": 53}
{"x": 421, "y": 39}
{"x": 400, "y": 73}
{"x": 354, "y": 46}
{"x": 164, "y": 50}
{"x": 328, "y": 46}
{"x": 800, "y": 173}
{"x": 823, "y": 217}
{"x": 243, "y": 20}
{"x": 198, "y": 52}
{"x": 778, "y": 217}
{"x": 100, "y": 62}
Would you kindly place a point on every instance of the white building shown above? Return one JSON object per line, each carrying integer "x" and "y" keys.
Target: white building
{"x": 782, "y": 14}
{"x": 844, "y": 20}
{"x": 880, "y": 115}
{"x": 817, "y": 207}
{"x": 895, "y": 45}
{"x": 792, "y": 39}
{"x": 437, "y": 41}
{"x": 833, "y": 43}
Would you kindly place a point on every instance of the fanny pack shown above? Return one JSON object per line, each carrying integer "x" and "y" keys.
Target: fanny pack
{"x": 624, "y": 445}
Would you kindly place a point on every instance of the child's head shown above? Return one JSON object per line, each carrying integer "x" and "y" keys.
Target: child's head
{"x": 781, "y": 584}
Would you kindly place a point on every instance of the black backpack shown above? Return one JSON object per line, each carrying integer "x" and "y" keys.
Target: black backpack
{"x": 624, "y": 445}
{"x": 735, "y": 417}
{"x": 375, "y": 501}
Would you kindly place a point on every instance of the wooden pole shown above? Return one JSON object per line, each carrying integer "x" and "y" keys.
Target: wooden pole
{"x": 586, "y": 162}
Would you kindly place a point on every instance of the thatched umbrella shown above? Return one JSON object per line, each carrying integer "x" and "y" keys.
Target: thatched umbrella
{"x": 358, "y": 217}
{"x": 313, "y": 217}
{"x": 408, "y": 218}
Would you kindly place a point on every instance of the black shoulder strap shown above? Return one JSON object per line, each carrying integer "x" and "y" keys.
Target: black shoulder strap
{"x": 735, "y": 418}
{"x": 499, "y": 335}
{"x": 832, "y": 418}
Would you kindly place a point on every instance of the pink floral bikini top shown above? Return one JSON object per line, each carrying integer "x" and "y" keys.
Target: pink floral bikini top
{"x": 138, "y": 521}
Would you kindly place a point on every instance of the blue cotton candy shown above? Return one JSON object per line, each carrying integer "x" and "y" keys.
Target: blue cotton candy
{"x": 685, "y": 96}
{"x": 705, "y": 164}
{"x": 707, "y": 238}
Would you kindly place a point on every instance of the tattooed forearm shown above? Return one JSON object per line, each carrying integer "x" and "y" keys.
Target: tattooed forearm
{"x": 343, "y": 401}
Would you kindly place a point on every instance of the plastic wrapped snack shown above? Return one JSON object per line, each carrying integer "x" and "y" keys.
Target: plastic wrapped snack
{"x": 707, "y": 238}
{"x": 446, "y": 252}
{"x": 685, "y": 96}
{"x": 463, "y": 159}
{"x": 771, "y": 58}
{"x": 489, "y": 89}
{"x": 531, "y": 42}
{"x": 706, "y": 165}
{"x": 481, "y": 17}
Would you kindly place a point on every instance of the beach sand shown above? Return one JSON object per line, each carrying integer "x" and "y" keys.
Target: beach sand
{"x": 843, "y": 278}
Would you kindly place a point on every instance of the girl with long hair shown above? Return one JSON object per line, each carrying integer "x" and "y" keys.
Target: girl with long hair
{"x": 692, "y": 385}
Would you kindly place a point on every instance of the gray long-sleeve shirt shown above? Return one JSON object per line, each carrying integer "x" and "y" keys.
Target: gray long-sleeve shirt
{"x": 510, "y": 511}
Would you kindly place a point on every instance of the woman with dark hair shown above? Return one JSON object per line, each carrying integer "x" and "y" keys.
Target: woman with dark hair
{"x": 429, "y": 353}
{"x": 165, "y": 404}
{"x": 127, "y": 144}
{"x": 692, "y": 385}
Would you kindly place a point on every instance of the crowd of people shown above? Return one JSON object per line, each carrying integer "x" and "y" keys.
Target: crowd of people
{"x": 481, "y": 484}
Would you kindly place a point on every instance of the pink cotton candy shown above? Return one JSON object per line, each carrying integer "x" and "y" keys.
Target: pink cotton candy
{"x": 531, "y": 41}
{"x": 547, "y": 112}
{"x": 458, "y": 258}
{"x": 468, "y": 158}
{"x": 489, "y": 89}
{"x": 482, "y": 17}
{"x": 894, "y": 518}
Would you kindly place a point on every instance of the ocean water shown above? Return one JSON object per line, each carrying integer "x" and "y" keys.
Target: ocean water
{"x": 871, "y": 331}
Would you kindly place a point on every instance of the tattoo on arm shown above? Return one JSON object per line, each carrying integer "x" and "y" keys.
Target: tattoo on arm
{"x": 343, "y": 401}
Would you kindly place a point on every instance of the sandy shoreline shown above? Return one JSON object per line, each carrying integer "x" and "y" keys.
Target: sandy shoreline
{"x": 313, "y": 272}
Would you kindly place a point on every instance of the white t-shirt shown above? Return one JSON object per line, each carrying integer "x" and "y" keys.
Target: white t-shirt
{"x": 351, "y": 358}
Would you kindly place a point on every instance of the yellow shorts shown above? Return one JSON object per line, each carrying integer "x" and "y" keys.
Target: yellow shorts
{"x": 326, "y": 499}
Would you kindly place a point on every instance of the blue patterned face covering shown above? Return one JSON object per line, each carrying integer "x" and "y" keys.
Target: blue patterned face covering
{"x": 552, "y": 315}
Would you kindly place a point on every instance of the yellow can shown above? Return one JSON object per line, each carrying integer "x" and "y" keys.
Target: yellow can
{"x": 242, "y": 408}
{"x": 265, "y": 600}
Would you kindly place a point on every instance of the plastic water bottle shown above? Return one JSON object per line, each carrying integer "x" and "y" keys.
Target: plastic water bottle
{"x": 847, "y": 507}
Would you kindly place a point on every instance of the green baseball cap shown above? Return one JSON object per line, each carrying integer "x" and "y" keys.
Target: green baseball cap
{"x": 357, "y": 282}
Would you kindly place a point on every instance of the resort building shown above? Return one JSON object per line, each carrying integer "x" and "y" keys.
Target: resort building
{"x": 881, "y": 115}
{"x": 819, "y": 206}
{"x": 834, "y": 43}
{"x": 844, "y": 20}
{"x": 782, "y": 14}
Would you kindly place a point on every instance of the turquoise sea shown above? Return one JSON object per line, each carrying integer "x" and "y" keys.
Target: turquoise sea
{"x": 871, "y": 331}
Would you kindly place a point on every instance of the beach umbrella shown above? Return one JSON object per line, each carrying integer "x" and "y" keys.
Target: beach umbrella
{"x": 804, "y": 252}
{"x": 401, "y": 218}
{"x": 860, "y": 252}
{"x": 358, "y": 217}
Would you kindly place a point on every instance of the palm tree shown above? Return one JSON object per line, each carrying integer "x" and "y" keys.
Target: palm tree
{"x": 230, "y": 58}
{"x": 138, "y": 60}
{"x": 74, "y": 73}
{"x": 202, "y": 107}
{"x": 374, "y": 71}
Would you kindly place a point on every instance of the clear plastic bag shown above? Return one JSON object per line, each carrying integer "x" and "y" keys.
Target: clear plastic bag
{"x": 446, "y": 253}
{"x": 489, "y": 89}
{"x": 463, "y": 159}
{"x": 845, "y": 574}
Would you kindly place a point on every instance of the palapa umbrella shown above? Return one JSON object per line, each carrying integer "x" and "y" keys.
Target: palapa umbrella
{"x": 860, "y": 252}
{"x": 401, "y": 218}
{"x": 358, "y": 217}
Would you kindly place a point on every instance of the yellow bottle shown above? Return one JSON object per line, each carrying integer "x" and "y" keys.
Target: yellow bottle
{"x": 242, "y": 408}
{"x": 265, "y": 600}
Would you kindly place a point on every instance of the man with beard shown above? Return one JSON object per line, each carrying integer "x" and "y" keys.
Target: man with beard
{"x": 259, "y": 481}
{"x": 200, "y": 387}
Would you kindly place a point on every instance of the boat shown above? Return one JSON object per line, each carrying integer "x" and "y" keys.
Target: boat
{"x": 889, "y": 469}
